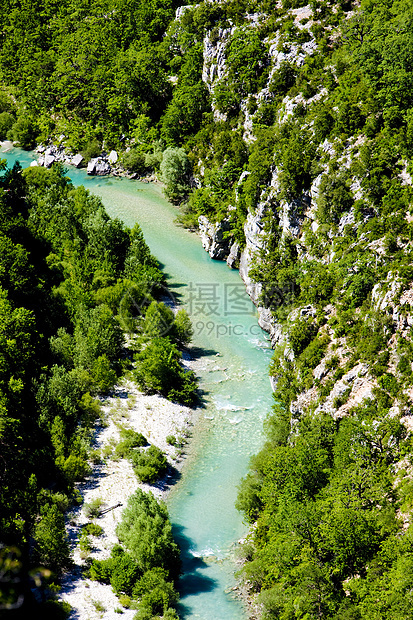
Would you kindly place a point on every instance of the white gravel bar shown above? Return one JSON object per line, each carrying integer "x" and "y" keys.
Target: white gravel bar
{"x": 113, "y": 482}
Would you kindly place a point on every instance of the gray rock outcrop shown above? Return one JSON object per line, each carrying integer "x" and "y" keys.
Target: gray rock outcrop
{"x": 98, "y": 166}
{"x": 212, "y": 236}
{"x": 113, "y": 157}
{"x": 233, "y": 256}
{"x": 76, "y": 160}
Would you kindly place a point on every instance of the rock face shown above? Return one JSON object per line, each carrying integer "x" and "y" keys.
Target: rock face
{"x": 213, "y": 239}
{"x": 233, "y": 256}
{"x": 254, "y": 242}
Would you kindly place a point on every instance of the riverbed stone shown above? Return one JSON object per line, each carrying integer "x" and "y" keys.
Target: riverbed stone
{"x": 98, "y": 166}
{"x": 48, "y": 160}
{"x": 76, "y": 160}
{"x": 113, "y": 157}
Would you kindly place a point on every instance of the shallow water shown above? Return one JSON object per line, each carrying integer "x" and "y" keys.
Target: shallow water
{"x": 233, "y": 375}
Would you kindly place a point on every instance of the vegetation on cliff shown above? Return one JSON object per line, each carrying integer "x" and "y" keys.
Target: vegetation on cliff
{"x": 300, "y": 115}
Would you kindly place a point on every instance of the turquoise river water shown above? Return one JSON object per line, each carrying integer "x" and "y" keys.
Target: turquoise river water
{"x": 233, "y": 372}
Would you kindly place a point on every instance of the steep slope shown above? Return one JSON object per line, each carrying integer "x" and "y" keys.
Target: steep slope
{"x": 284, "y": 129}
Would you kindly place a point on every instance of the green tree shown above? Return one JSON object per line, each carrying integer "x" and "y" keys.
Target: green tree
{"x": 175, "y": 169}
{"x": 158, "y": 370}
{"x": 51, "y": 542}
{"x": 146, "y": 532}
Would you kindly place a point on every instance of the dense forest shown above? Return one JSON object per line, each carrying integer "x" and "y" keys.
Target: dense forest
{"x": 291, "y": 117}
{"x": 73, "y": 283}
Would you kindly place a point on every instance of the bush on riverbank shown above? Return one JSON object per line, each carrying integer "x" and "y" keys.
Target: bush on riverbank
{"x": 158, "y": 369}
{"x": 148, "y": 566}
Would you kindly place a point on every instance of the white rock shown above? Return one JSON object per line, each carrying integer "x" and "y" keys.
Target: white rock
{"x": 113, "y": 157}
{"x": 49, "y": 160}
{"x": 91, "y": 166}
{"x": 212, "y": 237}
{"x": 76, "y": 160}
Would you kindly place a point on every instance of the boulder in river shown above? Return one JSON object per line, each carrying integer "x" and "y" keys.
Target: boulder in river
{"x": 98, "y": 166}
{"x": 48, "y": 160}
{"x": 113, "y": 157}
{"x": 76, "y": 160}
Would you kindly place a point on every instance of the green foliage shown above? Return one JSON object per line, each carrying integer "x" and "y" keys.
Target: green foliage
{"x": 51, "y": 545}
{"x": 6, "y": 123}
{"x": 149, "y": 465}
{"x": 158, "y": 370}
{"x": 246, "y": 57}
{"x": 129, "y": 440}
{"x": 85, "y": 545}
{"x": 93, "y": 508}
{"x": 134, "y": 160}
{"x": 124, "y": 571}
{"x": 301, "y": 334}
{"x": 24, "y": 132}
{"x": 325, "y": 500}
{"x": 155, "y": 592}
{"x": 175, "y": 168}
{"x": 184, "y": 114}
{"x": 92, "y": 149}
{"x": 183, "y": 327}
{"x": 334, "y": 198}
{"x": 93, "y": 529}
{"x": 147, "y": 535}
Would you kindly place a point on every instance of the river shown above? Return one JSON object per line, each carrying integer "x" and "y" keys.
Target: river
{"x": 233, "y": 371}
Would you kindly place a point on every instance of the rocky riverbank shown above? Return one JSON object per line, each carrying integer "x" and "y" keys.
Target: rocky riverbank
{"x": 112, "y": 481}
{"x": 104, "y": 164}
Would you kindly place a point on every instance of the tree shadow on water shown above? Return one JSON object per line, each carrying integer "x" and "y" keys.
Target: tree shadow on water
{"x": 191, "y": 581}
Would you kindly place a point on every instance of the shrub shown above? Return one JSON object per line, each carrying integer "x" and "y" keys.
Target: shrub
{"x": 6, "y": 123}
{"x": 155, "y": 592}
{"x": 134, "y": 161}
{"x": 301, "y": 334}
{"x": 175, "y": 168}
{"x": 75, "y": 468}
{"x": 100, "y": 570}
{"x": 150, "y": 464}
{"x": 51, "y": 546}
{"x": 23, "y": 131}
{"x": 389, "y": 383}
{"x": 313, "y": 354}
{"x": 158, "y": 321}
{"x": 93, "y": 529}
{"x": 341, "y": 400}
{"x": 125, "y": 601}
{"x": 130, "y": 440}
{"x": 103, "y": 375}
{"x": 99, "y": 606}
{"x": 183, "y": 327}
{"x": 124, "y": 571}
{"x": 158, "y": 370}
{"x": 85, "y": 545}
{"x": 91, "y": 150}
{"x": 93, "y": 508}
